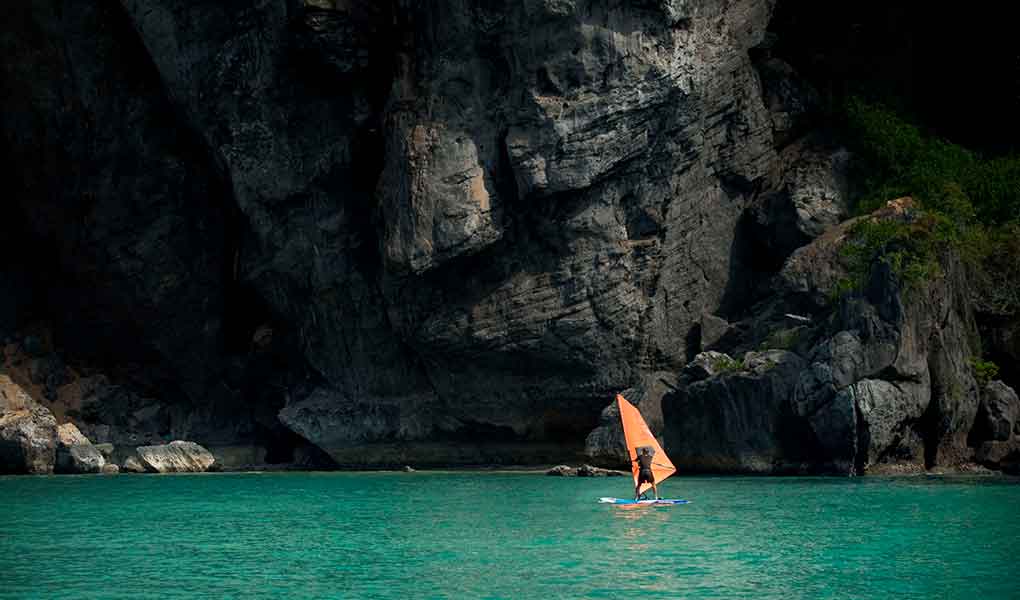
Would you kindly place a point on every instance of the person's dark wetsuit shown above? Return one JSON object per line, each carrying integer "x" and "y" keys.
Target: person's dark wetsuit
{"x": 644, "y": 461}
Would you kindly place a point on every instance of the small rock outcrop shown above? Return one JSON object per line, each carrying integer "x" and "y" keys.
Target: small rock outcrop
{"x": 583, "y": 471}
{"x": 1001, "y": 456}
{"x": 175, "y": 457}
{"x": 998, "y": 412}
{"x": 28, "y": 432}
{"x": 106, "y": 450}
{"x": 590, "y": 471}
{"x": 110, "y": 469}
{"x": 75, "y": 453}
{"x": 132, "y": 465}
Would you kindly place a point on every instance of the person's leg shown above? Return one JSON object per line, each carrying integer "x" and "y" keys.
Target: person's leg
{"x": 655, "y": 489}
{"x": 637, "y": 490}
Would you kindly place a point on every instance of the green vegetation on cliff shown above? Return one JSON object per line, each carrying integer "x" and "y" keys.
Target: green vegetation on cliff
{"x": 965, "y": 202}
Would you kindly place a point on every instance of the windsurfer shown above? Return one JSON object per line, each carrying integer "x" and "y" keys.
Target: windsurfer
{"x": 645, "y": 475}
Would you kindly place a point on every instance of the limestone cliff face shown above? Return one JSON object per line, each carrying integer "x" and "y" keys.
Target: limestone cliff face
{"x": 404, "y": 231}
{"x": 867, "y": 381}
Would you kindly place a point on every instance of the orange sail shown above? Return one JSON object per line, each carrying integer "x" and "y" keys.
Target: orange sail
{"x": 637, "y": 434}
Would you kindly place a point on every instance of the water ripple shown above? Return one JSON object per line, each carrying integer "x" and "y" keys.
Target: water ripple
{"x": 481, "y": 535}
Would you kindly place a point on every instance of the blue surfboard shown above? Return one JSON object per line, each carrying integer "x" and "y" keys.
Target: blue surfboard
{"x": 652, "y": 502}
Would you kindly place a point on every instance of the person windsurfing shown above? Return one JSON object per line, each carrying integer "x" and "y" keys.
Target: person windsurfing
{"x": 645, "y": 474}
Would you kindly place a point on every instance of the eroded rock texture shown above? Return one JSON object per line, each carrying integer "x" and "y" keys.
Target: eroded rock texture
{"x": 27, "y": 432}
{"x": 176, "y": 457}
{"x": 877, "y": 379}
{"x": 475, "y": 229}
{"x": 75, "y": 453}
{"x": 445, "y": 232}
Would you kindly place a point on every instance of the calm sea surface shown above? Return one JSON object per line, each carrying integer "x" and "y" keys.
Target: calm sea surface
{"x": 505, "y": 535}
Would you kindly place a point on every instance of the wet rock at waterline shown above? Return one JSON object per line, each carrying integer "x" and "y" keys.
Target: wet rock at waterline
{"x": 583, "y": 471}
{"x": 28, "y": 432}
{"x": 75, "y": 453}
{"x": 175, "y": 457}
{"x": 132, "y": 464}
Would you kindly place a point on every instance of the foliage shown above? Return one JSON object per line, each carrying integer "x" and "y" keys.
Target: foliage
{"x": 899, "y": 160}
{"x": 984, "y": 370}
{"x": 725, "y": 364}
{"x": 782, "y": 339}
{"x": 964, "y": 202}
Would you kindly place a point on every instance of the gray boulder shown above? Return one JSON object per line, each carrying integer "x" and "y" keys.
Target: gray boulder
{"x": 591, "y": 471}
{"x": 175, "y": 457}
{"x": 106, "y": 450}
{"x": 75, "y": 453}
{"x": 110, "y": 469}
{"x": 132, "y": 465}
{"x": 887, "y": 411}
{"x": 28, "y": 432}
{"x": 562, "y": 471}
{"x": 1003, "y": 456}
{"x": 998, "y": 412}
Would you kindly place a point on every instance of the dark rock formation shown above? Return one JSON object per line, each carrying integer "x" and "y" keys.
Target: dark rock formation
{"x": 1004, "y": 456}
{"x": 733, "y": 419}
{"x": 880, "y": 376}
{"x": 446, "y": 232}
{"x": 998, "y": 413}
{"x": 713, "y": 329}
{"x": 175, "y": 457}
{"x": 792, "y": 101}
{"x": 27, "y": 432}
{"x": 808, "y": 194}
{"x": 75, "y": 453}
{"x": 110, "y": 469}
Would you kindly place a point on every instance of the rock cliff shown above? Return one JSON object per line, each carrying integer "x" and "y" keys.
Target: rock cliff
{"x": 445, "y": 233}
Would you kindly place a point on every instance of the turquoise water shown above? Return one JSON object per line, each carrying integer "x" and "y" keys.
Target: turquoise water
{"x": 509, "y": 535}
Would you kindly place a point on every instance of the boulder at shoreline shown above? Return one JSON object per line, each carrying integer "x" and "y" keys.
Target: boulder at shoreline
{"x": 175, "y": 457}
{"x": 28, "y": 432}
{"x": 583, "y": 471}
{"x": 75, "y": 453}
